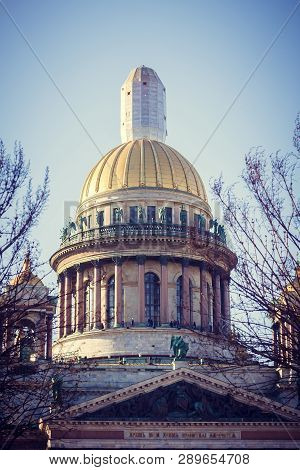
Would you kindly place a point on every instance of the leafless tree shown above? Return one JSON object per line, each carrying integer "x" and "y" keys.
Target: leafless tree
{"x": 27, "y": 376}
{"x": 261, "y": 213}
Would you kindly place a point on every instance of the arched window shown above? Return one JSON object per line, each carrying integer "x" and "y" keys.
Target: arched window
{"x": 110, "y": 302}
{"x": 25, "y": 339}
{"x": 179, "y": 301}
{"x": 152, "y": 299}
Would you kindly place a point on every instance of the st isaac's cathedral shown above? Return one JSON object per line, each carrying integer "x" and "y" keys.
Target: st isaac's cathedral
{"x": 144, "y": 273}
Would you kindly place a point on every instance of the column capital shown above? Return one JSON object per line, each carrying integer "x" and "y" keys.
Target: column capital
{"x": 78, "y": 267}
{"x": 226, "y": 278}
{"x": 96, "y": 263}
{"x": 216, "y": 272}
{"x": 164, "y": 260}
{"x": 67, "y": 272}
{"x": 118, "y": 260}
{"x": 203, "y": 265}
{"x": 141, "y": 259}
{"x": 185, "y": 262}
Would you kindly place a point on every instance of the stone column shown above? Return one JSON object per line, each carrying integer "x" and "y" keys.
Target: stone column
{"x": 203, "y": 297}
{"x": 294, "y": 343}
{"x": 226, "y": 305}
{"x": 96, "y": 320}
{"x": 61, "y": 304}
{"x": 1, "y": 333}
{"x": 185, "y": 293}
{"x": 118, "y": 291}
{"x": 49, "y": 337}
{"x": 281, "y": 342}
{"x": 79, "y": 300}
{"x": 104, "y": 303}
{"x": 286, "y": 345}
{"x": 289, "y": 342}
{"x": 68, "y": 303}
{"x": 164, "y": 318}
{"x": 141, "y": 288}
{"x": 41, "y": 336}
{"x": 177, "y": 209}
{"x": 8, "y": 334}
{"x": 217, "y": 302}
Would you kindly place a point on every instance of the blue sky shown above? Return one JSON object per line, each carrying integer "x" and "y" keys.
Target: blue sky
{"x": 203, "y": 52}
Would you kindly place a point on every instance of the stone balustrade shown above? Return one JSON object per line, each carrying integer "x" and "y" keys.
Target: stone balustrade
{"x": 141, "y": 230}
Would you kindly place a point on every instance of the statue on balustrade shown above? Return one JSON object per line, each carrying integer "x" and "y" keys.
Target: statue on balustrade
{"x": 141, "y": 214}
{"x": 218, "y": 229}
{"x": 119, "y": 214}
{"x": 213, "y": 223}
{"x": 202, "y": 223}
{"x": 63, "y": 234}
{"x": 221, "y": 233}
{"x": 183, "y": 216}
{"x": 100, "y": 218}
{"x": 162, "y": 214}
{"x": 68, "y": 230}
{"x": 82, "y": 223}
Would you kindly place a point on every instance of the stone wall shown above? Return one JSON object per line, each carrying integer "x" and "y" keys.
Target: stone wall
{"x": 143, "y": 341}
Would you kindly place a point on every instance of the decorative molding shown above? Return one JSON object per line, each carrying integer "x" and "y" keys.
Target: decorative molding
{"x": 97, "y": 263}
{"x": 190, "y": 376}
{"x": 57, "y": 424}
{"x": 78, "y": 267}
{"x": 141, "y": 259}
{"x": 164, "y": 260}
{"x": 118, "y": 260}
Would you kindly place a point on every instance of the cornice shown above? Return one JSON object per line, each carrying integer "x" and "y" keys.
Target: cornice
{"x": 174, "y": 424}
{"x": 168, "y": 246}
{"x": 191, "y": 376}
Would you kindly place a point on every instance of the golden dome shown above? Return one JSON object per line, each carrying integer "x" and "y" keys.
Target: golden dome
{"x": 26, "y": 276}
{"x": 143, "y": 163}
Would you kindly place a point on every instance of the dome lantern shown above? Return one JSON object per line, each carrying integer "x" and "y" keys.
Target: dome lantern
{"x": 143, "y": 106}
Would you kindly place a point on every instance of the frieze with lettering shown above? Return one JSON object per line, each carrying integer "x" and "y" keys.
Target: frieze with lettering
{"x": 167, "y": 435}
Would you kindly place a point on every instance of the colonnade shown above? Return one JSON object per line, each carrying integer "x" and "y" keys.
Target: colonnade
{"x": 214, "y": 305}
{"x": 41, "y": 329}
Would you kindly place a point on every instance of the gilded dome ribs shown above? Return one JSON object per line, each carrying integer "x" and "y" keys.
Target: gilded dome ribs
{"x": 126, "y": 167}
{"x": 102, "y": 163}
{"x": 113, "y": 167}
{"x": 142, "y": 167}
{"x": 194, "y": 175}
{"x": 184, "y": 176}
{"x": 164, "y": 149}
{"x": 89, "y": 179}
{"x": 157, "y": 164}
{"x": 143, "y": 163}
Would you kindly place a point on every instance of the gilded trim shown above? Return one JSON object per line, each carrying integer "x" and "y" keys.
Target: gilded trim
{"x": 157, "y": 165}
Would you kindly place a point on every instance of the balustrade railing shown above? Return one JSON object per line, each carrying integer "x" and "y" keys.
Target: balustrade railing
{"x": 136, "y": 231}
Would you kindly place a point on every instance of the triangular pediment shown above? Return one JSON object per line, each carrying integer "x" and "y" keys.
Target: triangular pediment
{"x": 182, "y": 395}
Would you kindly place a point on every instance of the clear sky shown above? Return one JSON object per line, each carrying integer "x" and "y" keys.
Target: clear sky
{"x": 203, "y": 51}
